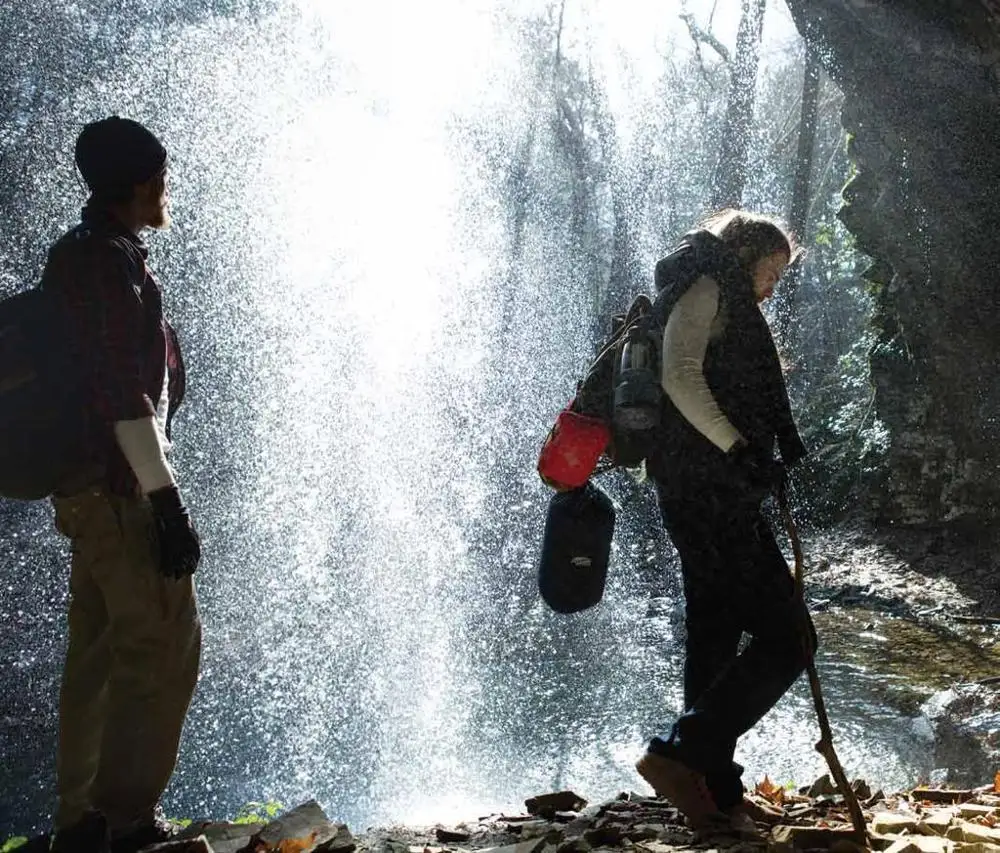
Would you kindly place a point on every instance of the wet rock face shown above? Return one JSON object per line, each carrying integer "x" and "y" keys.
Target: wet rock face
{"x": 922, "y": 86}
{"x": 965, "y": 724}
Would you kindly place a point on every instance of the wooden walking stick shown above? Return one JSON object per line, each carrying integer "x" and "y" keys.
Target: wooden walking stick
{"x": 825, "y": 744}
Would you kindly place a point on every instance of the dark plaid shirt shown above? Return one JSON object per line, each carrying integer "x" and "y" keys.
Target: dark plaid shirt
{"x": 113, "y": 310}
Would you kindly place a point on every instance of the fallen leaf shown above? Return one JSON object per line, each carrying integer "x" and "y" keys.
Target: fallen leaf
{"x": 298, "y": 845}
{"x": 769, "y": 791}
{"x": 996, "y": 783}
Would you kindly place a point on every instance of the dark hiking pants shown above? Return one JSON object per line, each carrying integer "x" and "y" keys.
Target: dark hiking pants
{"x": 736, "y": 580}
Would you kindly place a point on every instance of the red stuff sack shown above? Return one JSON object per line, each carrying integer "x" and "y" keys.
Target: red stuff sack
{"x": 571, "y": 450}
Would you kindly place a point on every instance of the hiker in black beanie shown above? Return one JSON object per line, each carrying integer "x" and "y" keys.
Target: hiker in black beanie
{"x": 134, "y": 631}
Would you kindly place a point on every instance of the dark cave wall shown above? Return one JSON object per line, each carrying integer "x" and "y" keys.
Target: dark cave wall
{"x": 921, "y": 80}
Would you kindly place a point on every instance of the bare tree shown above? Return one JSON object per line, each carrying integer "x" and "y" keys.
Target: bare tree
{"x": 799, "y": 213}
{"x": 731, "y": 168}
{"x": 628, "y": 187}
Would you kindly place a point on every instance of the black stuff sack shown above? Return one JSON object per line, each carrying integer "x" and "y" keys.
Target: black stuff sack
{"x": 576, "y": 547}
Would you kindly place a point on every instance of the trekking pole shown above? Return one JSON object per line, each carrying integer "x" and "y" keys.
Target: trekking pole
{"x": 825, "y": 745}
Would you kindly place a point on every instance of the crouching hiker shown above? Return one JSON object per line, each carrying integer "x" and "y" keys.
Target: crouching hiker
{"x": 713, "y": 466}
{"x": 134, "y": 632}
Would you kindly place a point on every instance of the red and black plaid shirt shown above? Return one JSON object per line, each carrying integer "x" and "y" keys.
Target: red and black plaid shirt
{"x": 114, "y": 311}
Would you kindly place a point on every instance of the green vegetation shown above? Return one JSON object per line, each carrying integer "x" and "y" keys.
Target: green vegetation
{"x": 830, "y": 348}
{"x": 262, "y": 812}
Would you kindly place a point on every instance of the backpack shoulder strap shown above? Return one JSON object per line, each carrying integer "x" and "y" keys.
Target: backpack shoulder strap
{"x": 136, "y": 260}
{"x": 674, "y": 275}
{"x": 66, "y": 253}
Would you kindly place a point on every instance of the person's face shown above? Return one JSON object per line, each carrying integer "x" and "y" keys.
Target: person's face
{"x": 766, "y": 273}
{"x": 154, "y": 197}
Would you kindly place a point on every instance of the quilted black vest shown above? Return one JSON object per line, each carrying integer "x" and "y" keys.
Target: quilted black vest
{"x": 741, "y": 367}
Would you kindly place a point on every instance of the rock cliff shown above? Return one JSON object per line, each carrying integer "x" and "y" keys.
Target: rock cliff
{"x": 920, "y": 79}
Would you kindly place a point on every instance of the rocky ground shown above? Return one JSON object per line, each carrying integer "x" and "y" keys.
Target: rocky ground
{"x": 924, "y": 820}
{"x": 940, "y": 581}
{"x": 944, "y": 574}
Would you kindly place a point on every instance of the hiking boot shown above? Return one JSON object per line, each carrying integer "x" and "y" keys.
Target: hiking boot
{"x": 741, "y": 823}
{"x": 760, "y": 810}
{"x": 144, "y": 835}
{"x": 734, "y": 823}
{"x": 87, "y": 835}
{"x": 684, "y": 787}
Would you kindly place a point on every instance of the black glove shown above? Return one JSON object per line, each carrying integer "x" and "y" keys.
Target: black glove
{"x": 755, "y": 473}
{"x": 791, "y": 446}
{"x": 176, "y": 540}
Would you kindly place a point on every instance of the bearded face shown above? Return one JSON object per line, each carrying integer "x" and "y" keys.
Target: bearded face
{"x": 153, "y": 199}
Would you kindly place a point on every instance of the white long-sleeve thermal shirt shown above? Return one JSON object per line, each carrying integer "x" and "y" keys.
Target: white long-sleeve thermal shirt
{"x": 144, "y": 443}
{"x": 693, "y": 322}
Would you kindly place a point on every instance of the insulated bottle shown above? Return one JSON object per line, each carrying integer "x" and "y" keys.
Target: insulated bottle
{"x": 636, "y": 397}
{"x": 637, "y": 385}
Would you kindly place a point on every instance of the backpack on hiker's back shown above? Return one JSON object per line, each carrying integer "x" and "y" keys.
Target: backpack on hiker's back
{"x": 43, "y": 405}
{"x": 40, "y": 401}
{"x": 613, "y": 420}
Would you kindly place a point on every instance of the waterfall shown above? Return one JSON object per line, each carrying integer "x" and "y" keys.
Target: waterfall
{"x": 376, "y": 353}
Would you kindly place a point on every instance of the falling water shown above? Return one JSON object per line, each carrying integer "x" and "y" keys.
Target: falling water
{"x": 372, "y": 370}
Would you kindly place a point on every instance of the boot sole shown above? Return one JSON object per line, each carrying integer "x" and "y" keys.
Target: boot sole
{"x": 678, "y": 783}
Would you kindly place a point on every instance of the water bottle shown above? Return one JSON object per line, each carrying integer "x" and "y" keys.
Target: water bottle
{"x": 637, "y": 395}
{"x": 637, "y": 385}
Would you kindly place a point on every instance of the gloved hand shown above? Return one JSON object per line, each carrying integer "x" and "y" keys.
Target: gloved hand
{"x": 176, "y": 540}
{"x": 755, "y": 473}
{"x": 791, "y": 446}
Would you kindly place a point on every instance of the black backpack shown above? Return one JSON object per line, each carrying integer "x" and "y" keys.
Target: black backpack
{"x": 41, "y": 398}
{"x": 622, "y": 386}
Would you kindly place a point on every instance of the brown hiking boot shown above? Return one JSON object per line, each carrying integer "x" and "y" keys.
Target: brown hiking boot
{"x": 741, "y": 823}
{"x": 157, "y": 831}
{"x": 88, "y": 835}
{"x": 684, "y": 787}
{"x": 760, "y": 810}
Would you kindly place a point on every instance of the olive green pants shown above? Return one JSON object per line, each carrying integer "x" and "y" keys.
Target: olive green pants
{"x": 131, "y": 665}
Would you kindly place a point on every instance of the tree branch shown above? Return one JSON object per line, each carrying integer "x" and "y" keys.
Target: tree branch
{"x": 562, "y": 13}
{"x": 699, "y": 35}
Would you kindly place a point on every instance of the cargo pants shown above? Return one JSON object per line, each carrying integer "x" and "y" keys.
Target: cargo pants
{"x": 131, "y": 664}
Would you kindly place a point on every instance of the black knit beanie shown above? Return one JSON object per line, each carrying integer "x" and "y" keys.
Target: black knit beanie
{"x": 115, "y": 154}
